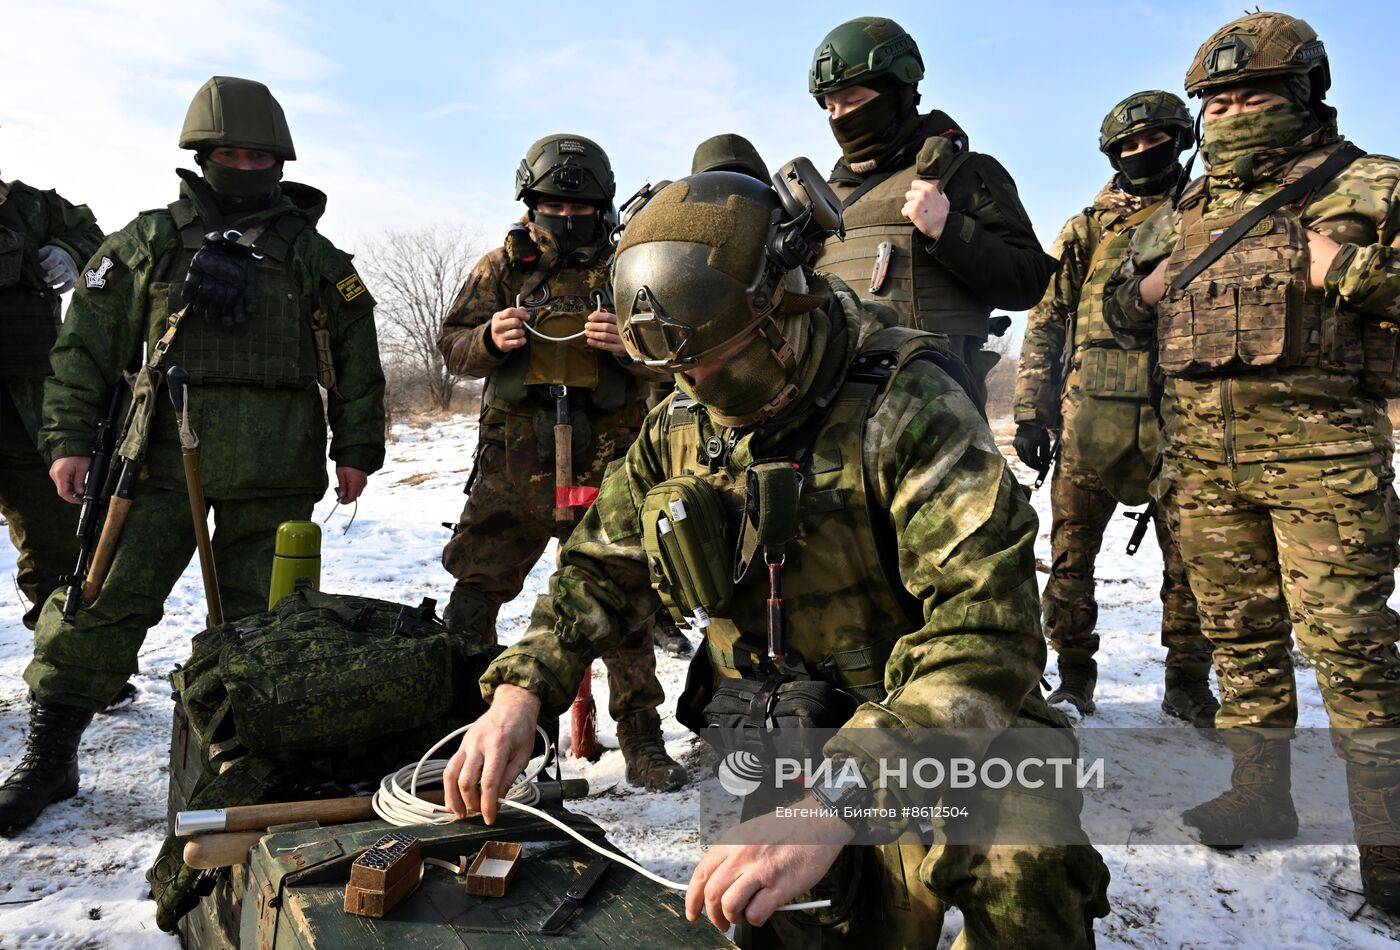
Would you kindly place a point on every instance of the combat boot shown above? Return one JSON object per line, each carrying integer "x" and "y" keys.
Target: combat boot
{"x": 1188, "y": 695}
{"x": 1259, "y": 803}
{"x": 1078, "y": 674}
{"x": 648, "y": 765}
{"x": 1374, "y": 792}
{"x": 470, "y": 614}
{"x": 48, "y": 771}
{"x": 667, "y": 636}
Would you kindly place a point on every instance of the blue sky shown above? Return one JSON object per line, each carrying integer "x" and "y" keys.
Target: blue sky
{"x": 409, "y": 113}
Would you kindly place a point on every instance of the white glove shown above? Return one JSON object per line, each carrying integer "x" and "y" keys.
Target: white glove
{"x": 60, "y": 270}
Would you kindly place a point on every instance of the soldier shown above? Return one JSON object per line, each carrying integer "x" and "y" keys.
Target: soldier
{"x": 932, "y": 229}
{"x": 1273, "y": 288}
{"x": 536, "y": 314}
{"x": 262, "y": 322}
{"x": 928, "y": 617}
{"x": 42, "y": 237}
{"x": 1075, "y": 378}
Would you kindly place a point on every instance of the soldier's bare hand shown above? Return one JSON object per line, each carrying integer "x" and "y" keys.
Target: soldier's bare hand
{"x": 600, "y": 332}
{"x": 350, "y": 483}
{"x": 508, "y": 328}
{"x": 927, "y": 207}
{"x": 748, "y": 880}
{"x": 1322, "y": 251}
{"x": 1154, "y": 286}
{"x": 493, "y": 753}
{"x": 68, "y": 475}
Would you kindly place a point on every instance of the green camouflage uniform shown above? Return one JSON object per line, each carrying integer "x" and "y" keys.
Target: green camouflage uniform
{"x": 508, "y": 518}
{"x": 988, "y": 255}
{"x": 41, "y": 524}
{"x": 1108, "y": 427}
{"x": 1282, "y": 473}
{"x": 961, "y": 535}
{"x": 254, "y": 404}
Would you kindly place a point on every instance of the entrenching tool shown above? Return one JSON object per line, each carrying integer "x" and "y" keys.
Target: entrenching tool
{"x": 177, "y": 383}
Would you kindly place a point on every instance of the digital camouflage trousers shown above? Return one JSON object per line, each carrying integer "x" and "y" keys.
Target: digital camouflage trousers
{"x": 86, "y": 662}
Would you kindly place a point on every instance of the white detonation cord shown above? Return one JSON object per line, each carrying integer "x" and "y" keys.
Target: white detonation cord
{"x": 397, "y": 802}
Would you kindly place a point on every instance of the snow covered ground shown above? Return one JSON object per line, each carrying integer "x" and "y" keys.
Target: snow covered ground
{"x": 74, "y": 880}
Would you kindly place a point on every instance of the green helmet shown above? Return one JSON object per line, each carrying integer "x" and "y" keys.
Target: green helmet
{"x": 1153, "y": 109}
{"x": 706, "y": 260}
{"x": 861, "y": 50}
{"x": 237, "y": 113}
{"x": 729, "y": 153}
{"x": 1259, "y": 46}
{"x": 567, "y": 167}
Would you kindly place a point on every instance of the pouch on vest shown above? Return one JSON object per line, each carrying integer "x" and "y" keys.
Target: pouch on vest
{"x": 11, "y": 256}
{"x": 560, "y": 361}
{"x": 685, "y": 536}
{"x": 322, "y": 671}
{"x": 782, "y": 704}
{"x": 1380, "y": 375}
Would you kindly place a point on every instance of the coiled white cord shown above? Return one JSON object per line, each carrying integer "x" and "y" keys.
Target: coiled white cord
{"x": 397, "y": 802}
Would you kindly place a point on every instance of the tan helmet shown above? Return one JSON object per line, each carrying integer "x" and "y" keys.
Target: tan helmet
{"x": 237, "y": 113}
{"x": 1257, "y": 46}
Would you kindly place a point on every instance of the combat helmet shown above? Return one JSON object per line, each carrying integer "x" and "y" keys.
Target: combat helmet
{"x": 566, "y": 167}
{"x": 1258, "y": 46}
{"x": 860, "y": 51}
{"x": 237, "y": 113}
{"x": 728, "y": 152}
{"x": 706, "y": 261}
{"x": 1152, "y": 109}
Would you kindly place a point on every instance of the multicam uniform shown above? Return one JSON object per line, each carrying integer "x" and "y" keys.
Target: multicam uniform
{"x": 1074, "y": 377}
{"x": 508, "y": 518}
{"x": 41, "y": 523}
{"x": 929, "y": 617}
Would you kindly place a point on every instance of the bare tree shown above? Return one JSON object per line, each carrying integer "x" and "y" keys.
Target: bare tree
{"x": 415, "y": 275}
{"x": 1001, "y": 381}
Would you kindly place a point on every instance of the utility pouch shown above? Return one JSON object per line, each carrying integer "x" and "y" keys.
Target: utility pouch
{"x": 11, "y": 256}
{"x": 771, "y": 494}
{"x": 1380, "y": 374}
{"x": 777, "y": 703}
{"x": 554, "y": 358}
{"x": 685, "y": 536}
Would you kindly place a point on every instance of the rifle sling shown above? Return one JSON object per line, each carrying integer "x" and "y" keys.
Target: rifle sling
{"x": 1335, "y": 164}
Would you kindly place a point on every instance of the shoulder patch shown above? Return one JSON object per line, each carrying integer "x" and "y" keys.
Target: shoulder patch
{"x": 95, "y": 278}
{"x": 350, "y": 287}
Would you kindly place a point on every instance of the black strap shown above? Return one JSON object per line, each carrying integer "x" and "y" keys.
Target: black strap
{"x": 865, "y": 186}
{"x": 1320, "y": 175}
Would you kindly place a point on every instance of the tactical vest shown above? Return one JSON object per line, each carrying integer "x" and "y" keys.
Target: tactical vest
{"x": 275, "y": 346}
{"x": 559, "y": 303}
{"x": 843, "y": 603}
{"x": 922, "y": 291}
{"x": 28, "y": 313}
{"x": 1252, "y": 308}
{"x": 1098, "y": 365}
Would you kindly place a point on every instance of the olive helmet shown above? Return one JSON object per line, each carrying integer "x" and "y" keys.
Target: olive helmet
{"x": 567, "y": 167}
{"x": 1257, "y": 46}
{"x": 861, "y": 50}
{"x": 706, "y": 261}
{"x": 236, "y": 113}
{"x": 1152, "y": 109}
{"x": 728, "y": 153}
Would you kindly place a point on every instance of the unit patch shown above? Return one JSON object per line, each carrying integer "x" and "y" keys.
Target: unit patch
{"x": 96, "y": 278}
{"x": 350, "y": 287}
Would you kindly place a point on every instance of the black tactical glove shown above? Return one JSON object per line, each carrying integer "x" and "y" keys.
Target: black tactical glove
{"x": 221, "y": 284}
{"x": 1032, "y": 445}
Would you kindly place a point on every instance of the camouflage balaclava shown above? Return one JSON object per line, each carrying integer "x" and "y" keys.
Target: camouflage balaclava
{"x": 1246, "y": 144}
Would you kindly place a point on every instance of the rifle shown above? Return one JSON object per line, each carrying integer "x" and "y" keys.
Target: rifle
{"x": 1050, "y": 464}
{"x": 1143, "y": 519}
{"x": 136, "y": 434}
{"x": 90, "y": 515}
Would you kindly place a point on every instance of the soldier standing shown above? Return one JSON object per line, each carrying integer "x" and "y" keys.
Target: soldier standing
{"x": 258, "y": 333}
{"x": 535, "y": 321}
{"x": 780, "y": 371}
{"x": 1075, "y": 378}
{"x": 1273, "y": 289}
{"x": 933, "y": 230}
{"x": 42, "y": 237}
